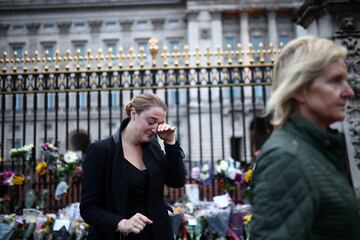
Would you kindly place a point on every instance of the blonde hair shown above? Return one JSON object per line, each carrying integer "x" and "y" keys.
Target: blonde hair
{"x": 297, "y": 65}
{"x": 144, "y": 102}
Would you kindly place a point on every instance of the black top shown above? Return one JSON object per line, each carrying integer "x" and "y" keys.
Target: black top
{"x": 104, "y": 193}
{"x": 137, "y": 194}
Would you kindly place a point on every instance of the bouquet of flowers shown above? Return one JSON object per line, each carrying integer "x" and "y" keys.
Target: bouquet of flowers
{"x": 229, "y": 173}
{"x": 22, "y": 153}
{"x": 9, "y": 190}
{"x": 68, "y": 165}
{"x": 201, "y": 174}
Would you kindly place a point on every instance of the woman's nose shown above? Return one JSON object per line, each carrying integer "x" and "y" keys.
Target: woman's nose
{"x": 347, "y": 91}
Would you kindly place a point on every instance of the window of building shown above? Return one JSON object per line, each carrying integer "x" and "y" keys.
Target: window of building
{"x": 110, "y": 24}
{"x": 174, "y": 43}
{"x": 79, "y": 25}
{"x": 17, "y": 143}
{"x": 230, "y": 41}
{"x": 82, "y": 99}
{"x": 51, "y": 100}
{"x": 19, "y": 49}
{"x": 19, "y": 101}
{"x": 18, "y": 28}
{"x": 111, "y": 44}
{"x": 143, "y": 43}
{"x": 49, "y": 26}
{"x": 256, "y": 40}
{"x": 283, "y": 39}
{"x": 81, "y": 45}
{"x": 114, "y": 99}
{"x": 50, "y": 47}
{"x": 236, "y": 146}
{"x": 17, "y": 128}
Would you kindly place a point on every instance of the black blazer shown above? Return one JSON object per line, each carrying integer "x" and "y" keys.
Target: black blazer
{"x": 104, "y": 185}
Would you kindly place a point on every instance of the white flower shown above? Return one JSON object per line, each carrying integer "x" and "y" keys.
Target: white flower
{"x": 205, "y": 167}
{"x": 70, "y": 157}
{"x": 204, "y": 176}
{"x": 222, "y": 166}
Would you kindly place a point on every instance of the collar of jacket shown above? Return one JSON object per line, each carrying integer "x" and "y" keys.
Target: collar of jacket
{"x": 329, "y": 141}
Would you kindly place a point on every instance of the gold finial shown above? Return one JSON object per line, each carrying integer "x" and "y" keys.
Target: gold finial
{"x": 272, "y": 52}
{"x": 57, "y": 59}
{"x": 186, "y": 55}
{"x": 36, "y": 60}
{"x": 165, "y": 56}
{"x": 45, "y": 60}
{"x": 67, "y": 59}
{"x": 88, "y": 58}
{"x": 154, "y": 49}
{"x": 120, "y": 56}
{"x": 208, "y": 55}
{"x": 99, "y": 57}
{"x": 27, "y": 60}
{"x": 218, "y": 54}
{"x": 239, "y": 53}
{"x": 4, "y": 61}
{"x": 14, "y": 62}
{"x": 110, "y": 57}
{"x": 197, "y": 55}
{"x": 250, "y": 52}
{"x": 78, "y": 58}
{"x": 176, "y": 56}
{"x": 261, "y": 52}
{"x": 131, "y": 57}
{"x": 141, "y": 56}
{"x": 228, "y": 53}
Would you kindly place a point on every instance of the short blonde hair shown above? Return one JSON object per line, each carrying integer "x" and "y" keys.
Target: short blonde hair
{"x": 143, "y": 102}
{"x": 297, "y": 65}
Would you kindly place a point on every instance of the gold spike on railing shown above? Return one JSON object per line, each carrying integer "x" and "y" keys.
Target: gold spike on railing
{"x": 123, "y": 60}
{"x": 250, "y": 53}
{"x": 228, "y": 53}
{"x": 239, "y": 52}
{"x": 57, "y": 60}
{"x": 121, "y": 57}
{"x": 165, "y": 55}
{"x": 78, "y": 58}
{"x": 99, "y": 58}
{"x": 208, "y": 55}
{"x": 88, "y": 59}
{"x": 4, "y": 62}
{"x": 14, "y": 61}
{"x": 261, "y": 52}
{"x": 186, "y": 55}
{"x": 36, "y": 60}
{"x": 131, "y": 57}
{"x": 154, "y": 49}
{"x": 218, "y": 55}
{"x": 142, "y": 56}
{"x": 176, "y": 55}
{"x": 109, "y": 57}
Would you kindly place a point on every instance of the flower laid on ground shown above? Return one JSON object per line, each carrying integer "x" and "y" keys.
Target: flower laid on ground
{"x": 6, "y": 178}
{"x": 68, "y": 165}
{"x": 23, "y": 152}
{"x": 41, "y": 168}
{"x": 18, "y": 179}
{"x": 205, "y": 175}
{"x": 50, "y": 151}
{"x": 247, "y": 220}
{"x": 229, "y": 173}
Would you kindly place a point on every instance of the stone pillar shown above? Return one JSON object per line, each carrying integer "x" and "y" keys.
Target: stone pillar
{"x": 95, "y": 28}
{"x": 343, "y": 26}
{"x": 273, "y": 37}
{"x": 33, "y": 29}
{"x": 192, "y": 31}
{"x": 244, "y": 33}
{"x": 216, "y": 29}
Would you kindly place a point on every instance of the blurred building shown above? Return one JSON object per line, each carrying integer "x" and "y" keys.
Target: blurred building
{"x": 79, "y": 25}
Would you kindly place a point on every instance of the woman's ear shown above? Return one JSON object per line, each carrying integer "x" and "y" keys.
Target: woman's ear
{"x": 133, "y": 113}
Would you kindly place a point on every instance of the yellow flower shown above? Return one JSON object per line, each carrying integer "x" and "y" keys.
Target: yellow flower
{"x": 18, "y": 179}
{"x": 247, "y": 218}
{"x": 248, "y": 175}
{"x": 41, "y": 168}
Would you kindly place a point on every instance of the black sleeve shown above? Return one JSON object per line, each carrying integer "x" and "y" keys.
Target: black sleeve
{"x": 92, "y": 203}
{"x": 175, "y": 176}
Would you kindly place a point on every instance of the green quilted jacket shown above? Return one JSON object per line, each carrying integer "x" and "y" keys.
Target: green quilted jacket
{"x": 300, "y": 190}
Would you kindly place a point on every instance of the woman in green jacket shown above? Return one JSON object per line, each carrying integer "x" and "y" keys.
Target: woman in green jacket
{"x": 300, "y": 186}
